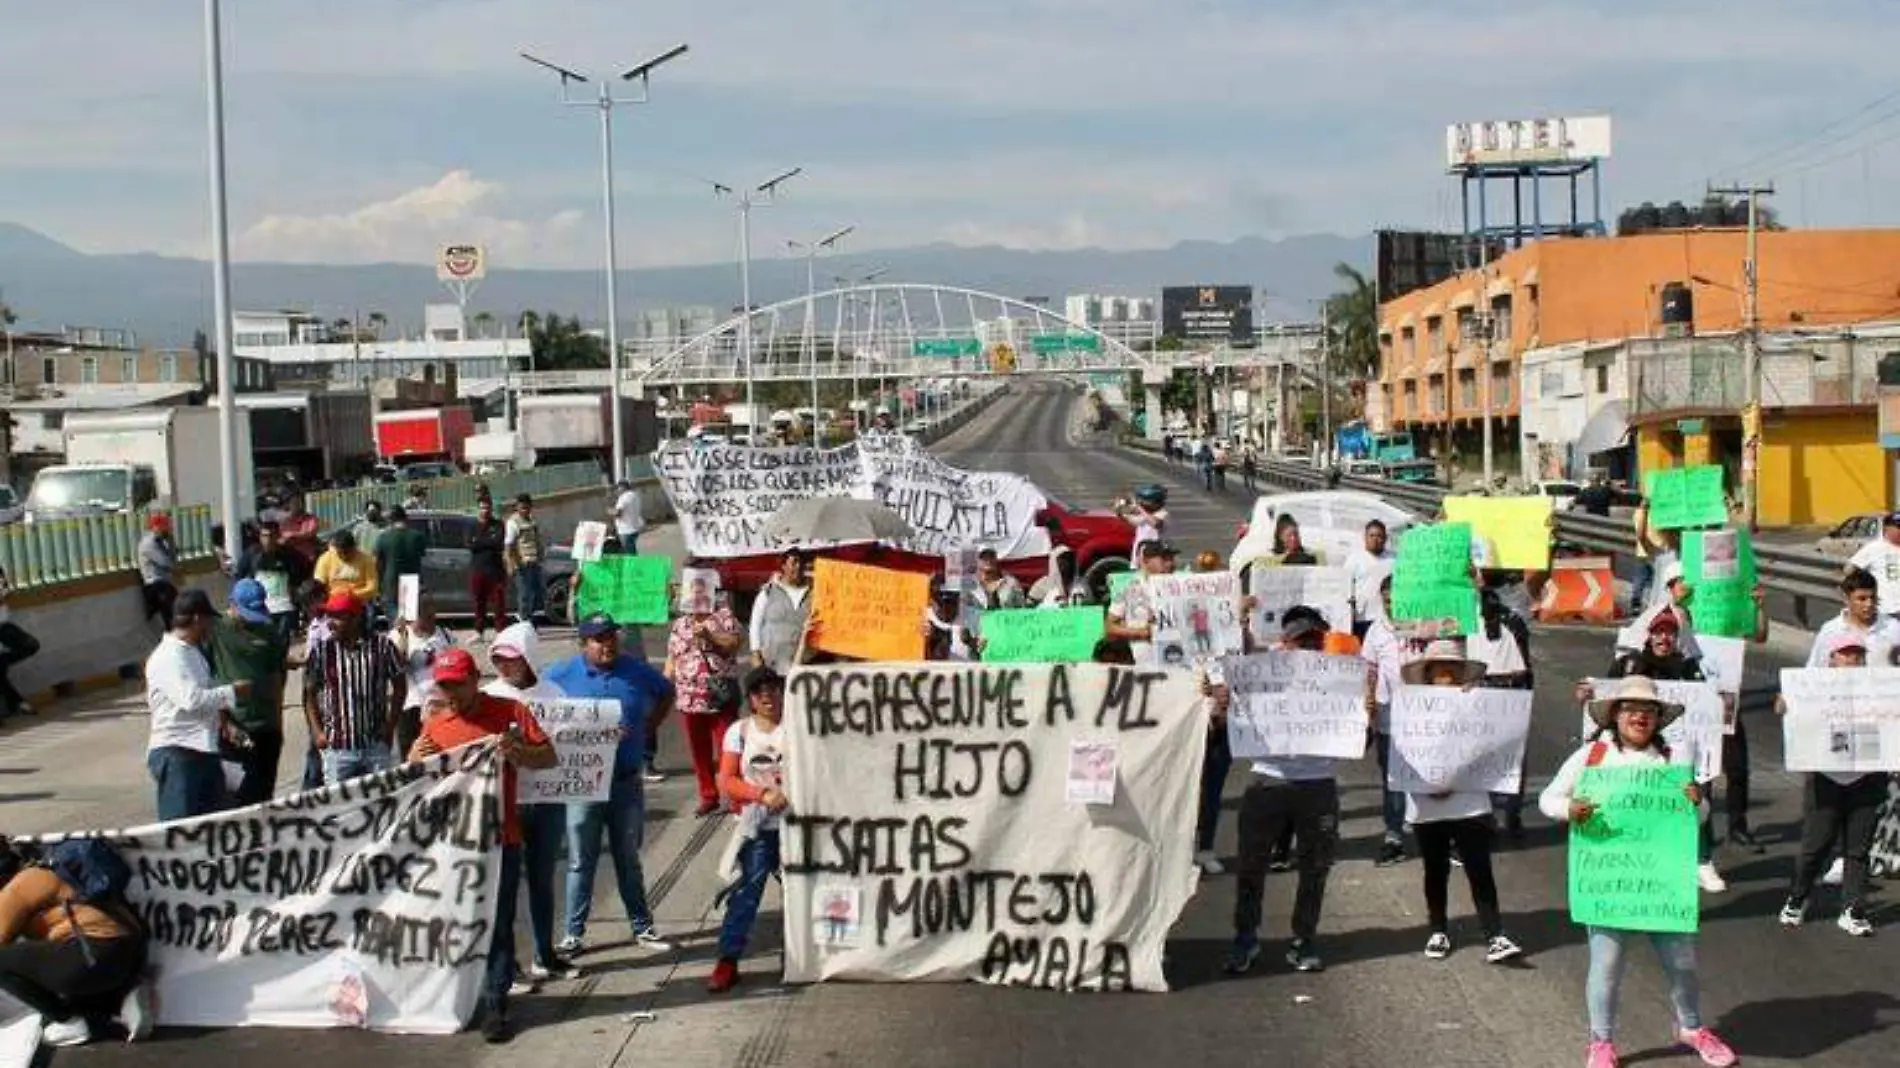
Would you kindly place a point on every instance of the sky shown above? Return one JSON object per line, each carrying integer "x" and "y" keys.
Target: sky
{"x": 373, "y": 130}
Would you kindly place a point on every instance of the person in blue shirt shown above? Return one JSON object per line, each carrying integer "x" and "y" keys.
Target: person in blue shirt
{"x": 602, "y": 671}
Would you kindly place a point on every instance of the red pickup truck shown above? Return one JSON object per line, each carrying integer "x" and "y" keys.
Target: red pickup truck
{"x": 1100, "y": 540}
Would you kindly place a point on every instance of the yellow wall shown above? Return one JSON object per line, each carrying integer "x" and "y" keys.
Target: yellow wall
{"x": 1822, "y": 469}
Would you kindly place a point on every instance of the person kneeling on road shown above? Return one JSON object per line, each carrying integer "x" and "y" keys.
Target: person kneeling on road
{"x": 751, "y": 774}
{"x": 70, "y": 959}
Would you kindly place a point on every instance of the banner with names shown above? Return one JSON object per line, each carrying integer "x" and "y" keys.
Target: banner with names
{"x": 1013, "y": 824}
{"x": 1294, "y": 704}
{"x": 1705, "y": 718}
{"x": 1466, "y": 741}
{"x": 1196, "y": 616}
{"x": 1276, "y": 589}
{"x": 585, "y": 734}
{"x": 1843, "y": 720}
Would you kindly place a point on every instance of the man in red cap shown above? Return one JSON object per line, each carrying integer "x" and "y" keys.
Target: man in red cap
{"x": 158, "y": 560}
{"x": 459, "y": 713}
{"x": 353, "y": 690}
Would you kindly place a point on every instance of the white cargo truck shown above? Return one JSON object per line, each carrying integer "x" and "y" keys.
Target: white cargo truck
{"x": 497, "y": 452}
{"x": 125, "y": 461}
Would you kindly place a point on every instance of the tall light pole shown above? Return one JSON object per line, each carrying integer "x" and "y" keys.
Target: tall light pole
{"x": 221, "y": 284}
{"x": 1751, "y": 371}
{"x": 764, "y": 193}
{"x": 811, "y": 289}
{"x": 604, "y": 101}
{"x": 862, "y": 280}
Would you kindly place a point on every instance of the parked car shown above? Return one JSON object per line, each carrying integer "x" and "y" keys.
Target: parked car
{"x": 1845, "y": 540}
{"x": 445, "y": 567}
{"x": 1364, "y": 469}
{"x": 427, "y": 470}
{"x": 12, "y": 509}
{"x": 1562, "y": 494}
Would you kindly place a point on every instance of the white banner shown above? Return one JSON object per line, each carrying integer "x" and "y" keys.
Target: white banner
{"x": 1698, "y": 731}
{"x": 1884, "y": 859}
{"x": 1288, "y": 704}
{"x": 1723, "y": 660}
{"x": 1276, "y": 589}
{"x": 366, "y": 904}
{"x": 585, "y": 734}
{"x": 1841, "y": 719}
{"x": 723, "y": 494}
{"x": 1458, "y": 740}
{"x": 1196, "y": 616}
{"x": 1015, "y": 824}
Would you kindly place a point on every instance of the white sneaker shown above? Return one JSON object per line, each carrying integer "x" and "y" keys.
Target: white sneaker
{"x": 73, "y": 1032}
{"x": 1208, "y": 862}
{"x": 136, "y": 1013}
{"x": 569, "y": 945}
{"x": 1836, "y": 873}
{"x": 1710, "y": 880}
{"x": 651, "y": 941}
{"x": 1438, "y": 946}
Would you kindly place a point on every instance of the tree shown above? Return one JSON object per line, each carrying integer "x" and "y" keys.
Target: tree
{"x": 483, "y": 322}
{"x": 561, "y": 344}
{"x": 1352, "y": 314}
{"x": 377, "y": 321}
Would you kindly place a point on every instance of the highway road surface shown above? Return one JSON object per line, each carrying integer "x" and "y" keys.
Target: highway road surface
{"x": 1809, "y": 997}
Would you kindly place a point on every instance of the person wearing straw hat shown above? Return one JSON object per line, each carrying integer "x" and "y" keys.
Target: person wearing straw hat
{"x": 1458, "y": 821}
{"x": 1629, "y": 732}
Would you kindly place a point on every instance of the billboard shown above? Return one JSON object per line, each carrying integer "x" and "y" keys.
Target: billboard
{"x": 1571, "y": 140}
{"x": 1208, "y": 313}
{"x": 1405, "y": 260}
{"x": 461, "y": 263}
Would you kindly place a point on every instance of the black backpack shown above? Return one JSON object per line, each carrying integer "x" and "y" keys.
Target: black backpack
{"x": 98, "y": 876}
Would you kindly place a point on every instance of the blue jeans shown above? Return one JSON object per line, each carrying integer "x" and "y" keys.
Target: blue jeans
{"x": 531, "y": 592}
{"x": 341, "y": 764}
{"x": 543, "y": 827}
{"x": 1392, "y": 806}
{"x": 1214, "y": 768}
{"x": 501, "y": 945}
{"x": 190, "y": 783}
{"x": 1675, "y": 951}
{"x": 758, "y": 859}
{"x": 1639, "y": 585}
{"x": 624, "y": 818}
{"x": 312, "y": 767}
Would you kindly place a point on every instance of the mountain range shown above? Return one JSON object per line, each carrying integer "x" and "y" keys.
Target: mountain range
{"x": 164, "y": 300}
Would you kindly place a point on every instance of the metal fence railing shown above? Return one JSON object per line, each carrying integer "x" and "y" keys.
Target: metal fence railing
{"x": 66, "y": 550}
{"x": 336, "y": 507}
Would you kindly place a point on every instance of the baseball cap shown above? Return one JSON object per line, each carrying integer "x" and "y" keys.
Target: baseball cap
{"x": 1845, "y": 641}
{"x": 1159, "y": 548}
{"x": 598, "y": 625}
{"x": 342, "y": 603}
{"x": 454, "y": 665}
{"x": 252, "y": 604}
{"x": 1893, "y": 519}
{"x": 1665, "y": 621}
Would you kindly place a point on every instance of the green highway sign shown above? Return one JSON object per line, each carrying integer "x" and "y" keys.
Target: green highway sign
{"x": 946, "y": 346}
{"x": 1043, "y": 344}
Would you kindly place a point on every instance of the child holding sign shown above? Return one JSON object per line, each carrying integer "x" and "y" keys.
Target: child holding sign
{"x": 1629, "y": 724}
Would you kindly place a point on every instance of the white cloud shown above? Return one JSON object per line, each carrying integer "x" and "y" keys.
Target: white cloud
{"x": 407, "y": 228}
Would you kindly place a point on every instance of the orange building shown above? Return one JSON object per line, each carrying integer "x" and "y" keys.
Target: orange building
{"x": 1563, "y": 291}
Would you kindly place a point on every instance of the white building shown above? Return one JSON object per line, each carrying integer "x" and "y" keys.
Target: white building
{"x": 1564, "y": 388}
{"x": 1096, "y": 310}
{"x": 303, "y": 346}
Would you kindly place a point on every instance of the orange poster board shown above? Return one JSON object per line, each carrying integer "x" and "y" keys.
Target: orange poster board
{"x": 869, "y": 613}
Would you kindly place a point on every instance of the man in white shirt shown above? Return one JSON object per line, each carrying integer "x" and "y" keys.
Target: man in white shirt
{"x": 1131, "y": 618}
{"x": 189, "y": 714}
{"x": 1881, "y": 559}
{"x": 1861, "y": 619}
{"x": 629, "y": 522}
{"x": 1369, "y": 566}
{"x": 1386, "y": 652}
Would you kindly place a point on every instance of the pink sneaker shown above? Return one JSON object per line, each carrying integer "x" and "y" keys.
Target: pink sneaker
{"x": 1602, "y": 1055}
{"x": 1714, "y": 1052}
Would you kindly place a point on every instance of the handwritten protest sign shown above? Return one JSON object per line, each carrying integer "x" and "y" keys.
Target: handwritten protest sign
{"x": 1698, "y": 731}
{"x": 631, "y": 589}
{"x": 408, "y": 596}
{"x": 1682, "y": 497}
{"x": 369, "y": 903}
{"x": 1883, "y": 860}
{"x": 1276, "y": 589}
{"x": 1041, "y": 635}
{"x": 1196, "y": 616}
{"x": 1431, "y": 582}
{"x": 699, "y": 589}
{"x": 1287, "y": 704}
{"x": 1633, "y": 863}
{"x": 1723, "y": 663}
{"x": 585, "y": 735}
{"x": 1840, "y": 720}
{"x": 932, "y": 828}
{"x": 870, "y": 613}
{"x": 1454, "y": 609}
{"x": 1459, "y": 740}
{"x": 590, "y": 541}
{"x": 1719, "y": 566}
{"x": 1506, "y": 532}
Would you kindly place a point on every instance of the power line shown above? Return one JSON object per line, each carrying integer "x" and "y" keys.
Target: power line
{"x": 1803, "y": 141}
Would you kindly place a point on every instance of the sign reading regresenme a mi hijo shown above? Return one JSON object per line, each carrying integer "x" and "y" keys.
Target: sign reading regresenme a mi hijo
{"x": 1014, "y": 824}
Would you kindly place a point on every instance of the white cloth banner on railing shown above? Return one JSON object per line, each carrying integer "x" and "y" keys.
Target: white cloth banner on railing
{"x": 366, "y": 904}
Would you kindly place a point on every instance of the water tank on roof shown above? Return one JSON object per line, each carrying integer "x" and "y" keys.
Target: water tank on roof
{"x": 1677, "y": 310}
{"x": 1676, "y": 216}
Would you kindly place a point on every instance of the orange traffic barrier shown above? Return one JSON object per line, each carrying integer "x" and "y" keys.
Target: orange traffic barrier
{"x": 1581, "y": 589}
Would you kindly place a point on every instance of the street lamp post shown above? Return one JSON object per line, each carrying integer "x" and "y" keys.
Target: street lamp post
{"x": 221, "y": 283}
{"x": 768, "y": 190}
{"x": 842, "y": 282}
{"x": 604, "y": 101}
{"x": 811, "y": 289}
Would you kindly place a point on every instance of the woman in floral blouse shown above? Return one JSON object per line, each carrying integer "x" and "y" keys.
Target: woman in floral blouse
{"x": 701, "y": 647}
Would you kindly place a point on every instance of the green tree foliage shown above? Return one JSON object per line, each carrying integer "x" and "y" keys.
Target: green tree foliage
{"x": 561, "y": 344}
{"x": 1353, "y": 323}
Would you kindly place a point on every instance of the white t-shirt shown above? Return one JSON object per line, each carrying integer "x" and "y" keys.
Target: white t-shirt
{"x": 1367, "y": 572}
{"x": 419, "y": 661}
{"x": 627, "y": 518}
{"x": 1881, "y": 638}
{"x": 1881, "y": 559}
{"x": 1387, "y": 653}
{"x": 761, "y": 761}
{"x": 1500, "y": 657}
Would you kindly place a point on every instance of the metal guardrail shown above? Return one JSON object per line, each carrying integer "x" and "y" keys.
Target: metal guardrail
{"x": 56, "y": 551}
{"x": 336, "y": 507}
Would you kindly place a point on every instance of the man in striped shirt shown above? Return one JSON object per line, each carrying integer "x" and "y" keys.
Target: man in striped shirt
{"x": 353, "y": 691}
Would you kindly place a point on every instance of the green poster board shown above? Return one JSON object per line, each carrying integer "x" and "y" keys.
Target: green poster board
{"x": 1436, "y": 604}
{"x": 1719, "y": 566}
{"x": 1431, "y": 580}
{"x": 1682, "y": 497}
{"x": 1633, "y": 864}
{"x": 1041, "y": 635}
{"x": 631, "y": 589}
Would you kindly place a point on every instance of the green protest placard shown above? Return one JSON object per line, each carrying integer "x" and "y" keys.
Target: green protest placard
{"x": 1434, "y": 555}
{"x": 1437, "y": 604}
{"x": 631, "y": 589}
{"x": 1719, "y": 566}
{"x": 1681, "y": 497}
{"x": 1041, "y": 635}
{"x": 1633, "y": 863}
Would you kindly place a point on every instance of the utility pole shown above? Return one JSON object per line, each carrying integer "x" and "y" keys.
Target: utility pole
{"x": 1751, "y": 349}
{"x": 1484, "y": 372}
{"x": 1326, "y": 379}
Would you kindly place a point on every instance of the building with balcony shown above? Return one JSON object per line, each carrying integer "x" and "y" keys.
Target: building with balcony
{"x": 305, "y": 348}
{"x": 1584, "y": 334}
